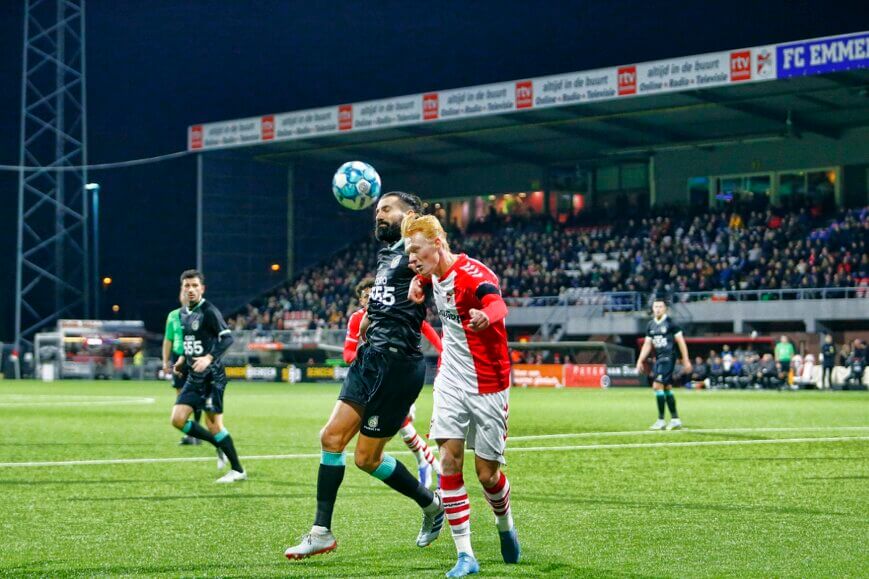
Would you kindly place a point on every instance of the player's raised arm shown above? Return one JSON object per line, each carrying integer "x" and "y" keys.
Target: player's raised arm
{"x": 494, "y": 308}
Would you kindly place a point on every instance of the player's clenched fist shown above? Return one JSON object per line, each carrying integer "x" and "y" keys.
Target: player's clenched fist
{"x": 478, "y": 320}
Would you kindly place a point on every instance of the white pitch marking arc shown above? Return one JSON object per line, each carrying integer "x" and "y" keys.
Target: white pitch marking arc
{"x": 23, "y": 400}
{"x": 511, "y": 451}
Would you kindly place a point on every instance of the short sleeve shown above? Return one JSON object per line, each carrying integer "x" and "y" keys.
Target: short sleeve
{"x": 215, "y": 321}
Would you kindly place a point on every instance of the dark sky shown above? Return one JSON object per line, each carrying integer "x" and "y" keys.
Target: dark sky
{"x": 155, "y": 67}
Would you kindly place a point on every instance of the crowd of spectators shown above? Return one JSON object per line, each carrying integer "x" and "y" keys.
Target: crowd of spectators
{"x": 663, "y": 253}
{"x": 748, "y": 369}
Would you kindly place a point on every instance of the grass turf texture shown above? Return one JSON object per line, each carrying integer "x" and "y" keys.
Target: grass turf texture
{"x": 791, "y": 509}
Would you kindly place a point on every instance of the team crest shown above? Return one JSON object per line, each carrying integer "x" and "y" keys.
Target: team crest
{"x": 395, "y": 261}
{"x": 450, "y": 298}
{"x": 373, "y": 422}
{"x": 194, "y": 325}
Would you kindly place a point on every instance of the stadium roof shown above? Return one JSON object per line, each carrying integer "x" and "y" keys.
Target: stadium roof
{"x": 818, "y": 87}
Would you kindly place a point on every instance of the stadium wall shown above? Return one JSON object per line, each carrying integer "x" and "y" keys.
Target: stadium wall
{"x": 851, "y": 151}
{"x": 814, "y": 315}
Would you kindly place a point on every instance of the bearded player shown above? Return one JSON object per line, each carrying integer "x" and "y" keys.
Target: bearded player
{"x": 425, "y": 461}
{"x": 379, "y": 389}
{"x": 472, "y": 388}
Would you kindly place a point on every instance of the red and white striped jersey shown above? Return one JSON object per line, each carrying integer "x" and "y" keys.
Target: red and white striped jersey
{"x": 478, "y": 362}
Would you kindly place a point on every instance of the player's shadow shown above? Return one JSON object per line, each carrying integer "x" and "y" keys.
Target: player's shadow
{"x": 738, "y": 508}
{"x": 198, "y": 569}
{"x": 852, "y": 477}
{"x": 225, "y": 497}
{"x": 780, "y": 458}
{"x": 25, "y": 482}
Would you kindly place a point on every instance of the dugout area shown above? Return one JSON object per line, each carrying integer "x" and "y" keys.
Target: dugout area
{"x": 271, "y": 203}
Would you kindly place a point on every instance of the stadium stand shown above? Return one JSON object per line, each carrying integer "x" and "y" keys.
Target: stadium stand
{"x": 666, "y": 252}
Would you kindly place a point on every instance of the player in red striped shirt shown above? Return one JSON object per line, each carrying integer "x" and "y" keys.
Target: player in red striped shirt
{"x": 472, "y": 388}
{"x": 426, "y": 463}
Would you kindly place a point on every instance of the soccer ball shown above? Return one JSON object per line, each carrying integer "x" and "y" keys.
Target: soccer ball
{"x": 356, "y": 185}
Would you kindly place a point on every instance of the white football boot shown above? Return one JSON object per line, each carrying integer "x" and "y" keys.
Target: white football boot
{"x": 231, "y": 477}
{"x": 313, "y": 543}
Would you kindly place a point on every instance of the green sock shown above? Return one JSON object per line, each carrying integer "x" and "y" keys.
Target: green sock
{"x": 671, "y": 404}
{"x": 660, "y": 399}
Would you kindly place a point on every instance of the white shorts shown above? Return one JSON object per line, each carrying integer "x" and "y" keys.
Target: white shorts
{"x": 478, "y": 419}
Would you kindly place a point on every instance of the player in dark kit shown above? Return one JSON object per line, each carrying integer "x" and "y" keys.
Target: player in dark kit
{"x": 663, "y": 334}
{"x": 206, "y": 339}
{"x": 381, "y": 384}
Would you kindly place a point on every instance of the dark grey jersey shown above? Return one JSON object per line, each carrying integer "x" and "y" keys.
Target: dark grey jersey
{"x": 663, "y": 336}
{"x": 394, "y": 320}
{"x": 202, "y": 326}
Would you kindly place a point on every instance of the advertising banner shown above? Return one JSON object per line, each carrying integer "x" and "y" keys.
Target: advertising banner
{"x": 824, "y": 55}
{"x": 753, "y": 64}
{"x": 538, "y": 375}
{"x": 585, "y": 375}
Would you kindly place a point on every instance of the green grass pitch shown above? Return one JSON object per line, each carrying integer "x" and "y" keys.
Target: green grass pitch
{"x": 760, "y": 484}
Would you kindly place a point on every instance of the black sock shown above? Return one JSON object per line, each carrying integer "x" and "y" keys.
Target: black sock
{"x": 225, "y": 444}
{"x": 329, "y": 479}
{"x": 197, "y": 415}
{"x": 401, "y": 480}
{"x": 196, "y": 430}
{"x": 660, "y": 398}
{"x": 671, "y": 403}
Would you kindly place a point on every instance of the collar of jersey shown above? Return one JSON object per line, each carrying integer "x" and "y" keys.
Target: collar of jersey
{"x": 196, "y": 307}
{"x": 460, "y": 260}
{"x": 397, "y": 245}
{"x": 661, "y": 321}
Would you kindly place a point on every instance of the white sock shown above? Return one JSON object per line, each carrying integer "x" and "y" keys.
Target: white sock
{"x": 458, "y": 511}
{"x": 498, "y": 498}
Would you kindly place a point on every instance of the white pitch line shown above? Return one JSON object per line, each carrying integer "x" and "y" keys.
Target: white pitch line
{"x": 20, "y": 400}
{"x": 511, "y": 451}
{"x": 683, "y": 430}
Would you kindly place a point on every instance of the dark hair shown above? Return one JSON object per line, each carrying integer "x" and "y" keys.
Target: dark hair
{"x": 191, "y": 273}
{"x": 663, "y": 300}
{"x": 363, "y": 285}
{"x": 411, "y": 201}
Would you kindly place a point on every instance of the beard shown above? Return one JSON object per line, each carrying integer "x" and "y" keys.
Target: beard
{"x": 387, "y": 232}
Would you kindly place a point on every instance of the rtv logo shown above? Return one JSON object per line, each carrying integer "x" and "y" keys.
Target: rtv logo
{"x": 740, "y": 65}
{"x": 627, "y": 77}
{"x": 430, "y": 106}
{"x": 196, "y": 137}
{"x": 345, "y": 117}
{"x": 524, "y": 94}
{"x": 267, "y": 128}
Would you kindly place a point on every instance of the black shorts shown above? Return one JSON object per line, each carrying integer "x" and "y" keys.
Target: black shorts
{"x": 385, "y": 385}
{"x": 663, "y": 372}
{"x": 204, "y": 391}
{"x": 785, "y": 367}
{"x": 177, "y": 381}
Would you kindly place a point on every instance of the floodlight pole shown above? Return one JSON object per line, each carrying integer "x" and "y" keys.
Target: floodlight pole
{"x": 52, "y": 252}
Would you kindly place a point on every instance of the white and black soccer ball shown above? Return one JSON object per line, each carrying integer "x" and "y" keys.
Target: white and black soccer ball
{"x": 356, "y": 185}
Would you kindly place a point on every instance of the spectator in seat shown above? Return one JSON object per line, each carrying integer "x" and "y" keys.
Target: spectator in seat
{"x": 856, "y": 365}
{"x": 716, "y": 373}
{"x": 700, "y": 373}
{"x": 750, "y": 371}
{"x": 768, "y": 372}
{"x": 806, "y": 377}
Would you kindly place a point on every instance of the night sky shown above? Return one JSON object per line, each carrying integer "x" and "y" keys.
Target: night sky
{"x": 156, "y": 67}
